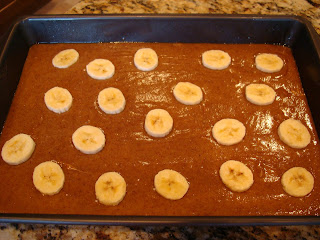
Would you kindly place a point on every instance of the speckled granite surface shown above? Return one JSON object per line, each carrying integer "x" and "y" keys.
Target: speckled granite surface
{"x": 309, "y": 9}
{"x": 48, "y": 232}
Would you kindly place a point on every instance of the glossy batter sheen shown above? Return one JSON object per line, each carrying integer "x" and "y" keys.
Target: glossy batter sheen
{"x": 189, "y": 149}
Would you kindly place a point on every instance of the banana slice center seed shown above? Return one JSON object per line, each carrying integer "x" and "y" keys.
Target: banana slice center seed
{"x": 64, "y": 58}
{"x": 295, "y": 133}
{"x": 235, "y": 174}
{"x": 269, "y": 61}
{"x": 300, "y": 180}
{"x": 59, "y": 97}
{"x": 112, "y": 99}
{"x": 146, "y": 59}
{"x": 216, "y": 58}
{"x": 109, "y": 185}
{"x": 261, "y": 92}
{"x": 101, "y": 68}
{"x": 88, "y": 138}
{"x": 16, "y": 146}
{"x": 157, "y": 122}
{"x": 188, "y": 91}
{"x": 229, "y": 131}
{"x": 51, "y": 178}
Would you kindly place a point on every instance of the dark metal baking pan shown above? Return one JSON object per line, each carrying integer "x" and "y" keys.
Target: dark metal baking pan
{"x": 294, "y": 32}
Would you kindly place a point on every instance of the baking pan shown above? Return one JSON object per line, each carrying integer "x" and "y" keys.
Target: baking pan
{"x": 294, "y": 32}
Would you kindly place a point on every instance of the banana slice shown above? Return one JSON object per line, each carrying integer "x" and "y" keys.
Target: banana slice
{"x": 18, "y": 149}
{"x": 88, "y": 139}
{"x": 58, "y": 99}
{"x": 297, "y": 182}
{"x": 236, "y": 176}
{"x": 293, "y": 133}
{"x": 187, "y": 93}
{"x": 260, "y": 94}
{"x": 111, "y": 100}
{"x": 158, "y": 123}
{"x": 146, "y": 59}
{"x": 100, "y": 69}
{"x": 269, "y": 63}
{"x": 110, "y": 188}
{"x": 216, "y": 59}
{"x": 171, "y": 184}
{"x": 48, "y": 178}
{"x": 65, "y": 58}
{"x": 228, "y": 131}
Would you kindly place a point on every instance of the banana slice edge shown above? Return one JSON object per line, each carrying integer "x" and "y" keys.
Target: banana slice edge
{"x": 100, "y": 69}
{"x": 88, "y": 139}
{"x": 268, "y": 62}
{"x": 236, "y": 176}
{"x": 18, "y": 149}
{"x": 146, "y": 59}
{"x": 58, "y": 100}
{"x": 110, "y": 188}
{"x": 188, "y": 93}
{"x": 171, "y": 184}
{"x": 48, "y": 178}
{"x": 65, "y": 58}
{"x": 228, "y": 131}
{"x": 293, "y": 133}
{"x": 216, "y": 59}
{"x": 111, "y": 100}
{"x": 297, "y": 182}
{"x": 260, "y": 94}
{"x": 158, "y": 123}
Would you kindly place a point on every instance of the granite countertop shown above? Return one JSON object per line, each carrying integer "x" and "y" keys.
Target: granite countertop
{"x": 309, "y": 9}
{"x": 84, "y": 232}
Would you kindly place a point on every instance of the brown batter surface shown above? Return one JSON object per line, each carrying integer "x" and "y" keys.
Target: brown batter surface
{"x": 189, "y": 149}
